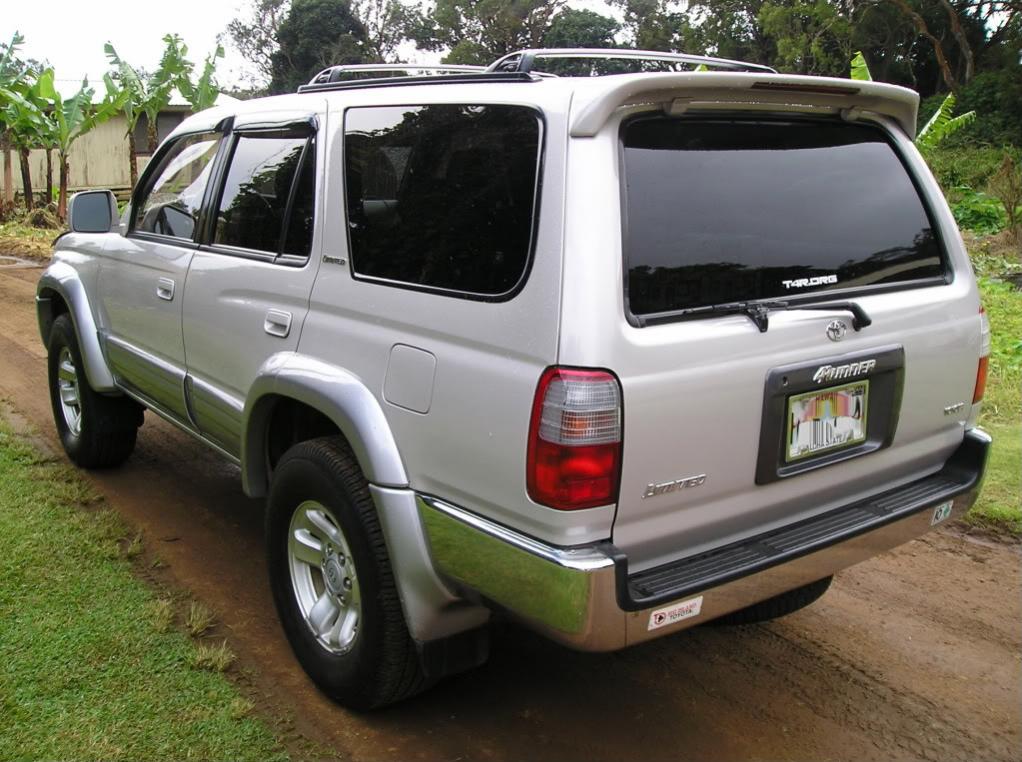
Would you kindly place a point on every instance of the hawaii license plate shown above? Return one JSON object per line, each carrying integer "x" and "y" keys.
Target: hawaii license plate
{"x": 826, "y": 420}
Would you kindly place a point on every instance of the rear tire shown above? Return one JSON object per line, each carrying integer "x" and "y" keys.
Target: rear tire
{"x": 96, "y": 431}
{"x": 327, "y": 558}
{"x": 778, "y": 606}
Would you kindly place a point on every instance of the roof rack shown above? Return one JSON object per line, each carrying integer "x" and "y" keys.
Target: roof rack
{"x": 354, "y": 71}
{"x": 514, "y": 67}
{"x": 433, "y": 79}
{"x": 525, "y": 60}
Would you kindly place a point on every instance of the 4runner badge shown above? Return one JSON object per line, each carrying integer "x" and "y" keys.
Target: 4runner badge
{"x": 837, "y": 372}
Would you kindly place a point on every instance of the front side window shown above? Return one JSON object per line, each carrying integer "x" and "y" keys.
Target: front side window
{"x": 442, "y": 196}
{"x": 724, "y": 210}
{"x": 254, "y": 203}
{"x": 171, "y": 202}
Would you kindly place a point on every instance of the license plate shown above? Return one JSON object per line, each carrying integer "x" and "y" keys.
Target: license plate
{"x": 826, "y": 420}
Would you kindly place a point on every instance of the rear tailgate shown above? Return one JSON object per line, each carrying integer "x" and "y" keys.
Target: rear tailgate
{"x": 718, "y": 208}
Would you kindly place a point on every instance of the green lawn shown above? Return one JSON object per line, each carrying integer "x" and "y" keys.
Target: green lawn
{"x": 90, "y": 666}
{"x": 1000, "y": 505}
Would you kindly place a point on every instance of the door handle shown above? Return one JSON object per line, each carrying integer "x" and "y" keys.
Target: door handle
{"x": 165, "y": 289}
{"x": 277, "y": 323}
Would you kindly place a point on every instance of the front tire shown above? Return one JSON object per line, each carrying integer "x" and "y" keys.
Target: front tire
{"x": 332, "y": 581}
{"x": 96, "y": 431}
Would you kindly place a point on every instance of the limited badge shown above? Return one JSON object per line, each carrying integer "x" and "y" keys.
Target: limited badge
{"x": 675, "y": 613}
{"x": 941, "y": 512}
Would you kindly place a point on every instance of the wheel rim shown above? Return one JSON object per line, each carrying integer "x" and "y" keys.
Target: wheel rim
{"x": 323, "y": 577}
{"x": 68, "y": 391}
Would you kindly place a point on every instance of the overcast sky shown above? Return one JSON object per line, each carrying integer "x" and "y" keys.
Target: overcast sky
{"x": 70, "y": 34}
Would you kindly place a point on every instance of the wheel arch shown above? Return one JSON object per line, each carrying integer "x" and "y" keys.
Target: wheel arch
{"x": 330, "y": 391}
{"x": 60, "y": 291}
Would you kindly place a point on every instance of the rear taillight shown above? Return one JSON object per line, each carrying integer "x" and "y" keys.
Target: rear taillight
{"x": 984, "y": 357}
{"x": 574, "y": 457}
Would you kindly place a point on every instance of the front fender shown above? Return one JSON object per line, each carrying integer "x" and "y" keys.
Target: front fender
{"x": 336, "y": 393}
{"x": 61, "y": 281}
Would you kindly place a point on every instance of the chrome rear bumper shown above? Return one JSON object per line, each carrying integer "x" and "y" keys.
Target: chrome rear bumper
{"x": 585, "y": 598}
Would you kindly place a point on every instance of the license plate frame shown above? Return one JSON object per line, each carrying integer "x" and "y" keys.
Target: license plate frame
{"x": 882, "y": 366}
{"x": 859, "y": 423}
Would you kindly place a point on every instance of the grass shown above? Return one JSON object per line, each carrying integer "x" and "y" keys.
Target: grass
{"x": 1000, "y": 504}
{"x": 199, "y": 619}
{"x": 21, "y": 240}
{"x": 90, "y": 665}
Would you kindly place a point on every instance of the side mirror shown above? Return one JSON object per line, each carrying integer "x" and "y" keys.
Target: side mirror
{"x": 92, "y": 212}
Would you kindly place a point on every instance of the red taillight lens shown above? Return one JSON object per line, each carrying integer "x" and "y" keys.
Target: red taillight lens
{"x": 574, "y": 457}
{"x": 984, "y": 360}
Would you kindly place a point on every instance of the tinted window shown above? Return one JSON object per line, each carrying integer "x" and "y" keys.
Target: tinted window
{"x": 170, "y": 204}
{"x": 254, "y": 200}
{"x": 442, "y": 196}
{"x": 722, "y": 211}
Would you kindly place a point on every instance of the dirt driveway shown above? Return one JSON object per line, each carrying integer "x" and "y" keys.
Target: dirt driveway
{"x": 914, "y": 655}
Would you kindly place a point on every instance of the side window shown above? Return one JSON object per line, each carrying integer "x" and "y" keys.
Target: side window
{"x": 261, "y": 182}
{"x": 442, "y": 196}
{"x": 170, "y": 204}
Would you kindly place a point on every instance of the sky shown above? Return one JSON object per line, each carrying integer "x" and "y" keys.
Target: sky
{"x": 70, "y": 34}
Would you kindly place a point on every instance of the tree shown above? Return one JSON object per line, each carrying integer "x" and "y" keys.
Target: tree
{"x": 255, "y": 36}
{"x": 25, "y": 115}
{"x": 479, "y": 31}
{"x": 658, "y": 25}
{"x": 12, "y": 70}
{"x": 573, "y": 28}
{"x": 812, "y": 36}
{"x": 70, "y": 118}
{"x": 202, "y": 92}
{"x": 386, "y": 24}
{"x": 316, "y": 34}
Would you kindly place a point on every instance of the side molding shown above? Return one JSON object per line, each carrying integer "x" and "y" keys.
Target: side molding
{"x": 336, "y": 393}
{"x": 62, "y": 280}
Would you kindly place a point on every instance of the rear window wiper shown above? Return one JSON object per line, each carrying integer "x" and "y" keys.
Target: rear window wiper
{"x": 759, "y": 312}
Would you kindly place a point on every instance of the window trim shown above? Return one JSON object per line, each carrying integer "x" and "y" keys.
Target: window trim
{"x": 530, "y": 255}
{"x": 694, "y": 313}
{"x": 143, "y": 188}
{"x": 308, "y": 129}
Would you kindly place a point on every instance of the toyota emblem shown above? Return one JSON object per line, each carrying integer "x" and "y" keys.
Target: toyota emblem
{"x": 836, "y": 330}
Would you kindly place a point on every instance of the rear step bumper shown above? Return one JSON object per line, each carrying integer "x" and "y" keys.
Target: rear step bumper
{"x": 584, "y": 597}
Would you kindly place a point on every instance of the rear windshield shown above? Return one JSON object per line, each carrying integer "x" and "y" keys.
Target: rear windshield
{"x": 722, "y": 211}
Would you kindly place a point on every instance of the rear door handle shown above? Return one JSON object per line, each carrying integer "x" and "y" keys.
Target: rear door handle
{"x": 165, "y": 289}
{"x": 277, "y": 323}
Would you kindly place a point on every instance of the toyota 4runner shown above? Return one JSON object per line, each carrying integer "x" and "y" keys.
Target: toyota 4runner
{"x": 612, "y": 355}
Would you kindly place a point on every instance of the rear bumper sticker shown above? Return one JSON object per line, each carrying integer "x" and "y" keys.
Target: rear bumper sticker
{"x": 675, "y": 613}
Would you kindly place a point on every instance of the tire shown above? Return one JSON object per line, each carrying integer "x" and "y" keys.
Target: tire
{"x": 321, "y": 524}
{"x": 97, "y": 431}
{"x": 778, "y": 606}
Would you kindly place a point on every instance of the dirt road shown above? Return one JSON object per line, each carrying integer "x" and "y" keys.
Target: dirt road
{"x": 914, "y": 655}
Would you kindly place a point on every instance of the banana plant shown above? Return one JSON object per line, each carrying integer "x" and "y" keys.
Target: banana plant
{"x": 70, "y": 118}
{"x": 25, "y": 114}
{"x": 940, "y": 126}
{"x": 203, "y": 92}
{"x": 143, "y": 93}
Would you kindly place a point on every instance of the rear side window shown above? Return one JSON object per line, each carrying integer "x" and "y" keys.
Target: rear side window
{"x": 172, "y": 199}
{"x": 442, "y": 196}
{"x": 265, "y": 174}
{"x": 721, "y": 211}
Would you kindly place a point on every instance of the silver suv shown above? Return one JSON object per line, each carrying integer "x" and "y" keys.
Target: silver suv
{"x": 612, "y": 355}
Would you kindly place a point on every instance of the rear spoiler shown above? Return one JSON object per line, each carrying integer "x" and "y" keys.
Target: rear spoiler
{"x": 680, "y": 91}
